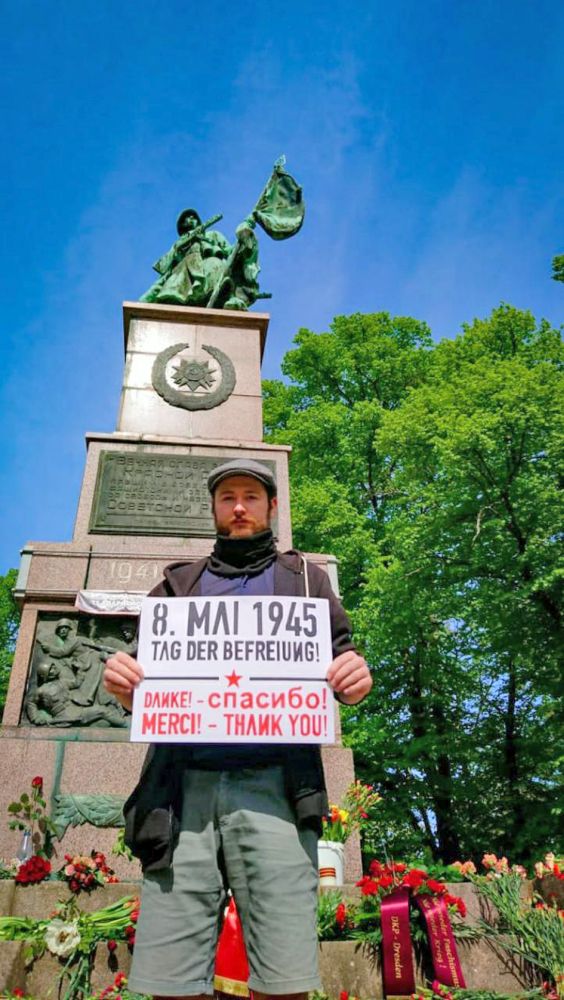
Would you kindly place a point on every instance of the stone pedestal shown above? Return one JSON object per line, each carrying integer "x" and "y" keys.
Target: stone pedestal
{"x": 198, "y": 335}
{"x": 191, "y": 399}
{"x": 343, "y": 965}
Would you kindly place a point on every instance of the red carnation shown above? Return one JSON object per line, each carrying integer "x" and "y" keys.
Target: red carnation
{"x": 343, "y": 995}
{"x": 37, "y": 782}
{"x": 33, "y": 870}
{"x": 385, "y": 881}
{"x": 376, "y": 868}
{"x": 341, "y": 915}
{"x": 435, "y": 886}
{"x": 413, "y": 879}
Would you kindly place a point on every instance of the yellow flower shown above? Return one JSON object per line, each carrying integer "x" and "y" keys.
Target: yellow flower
{"x": 343, "y": 815}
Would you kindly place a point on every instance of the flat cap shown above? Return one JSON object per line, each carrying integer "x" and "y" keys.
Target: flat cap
{"x": 243, "y": 467}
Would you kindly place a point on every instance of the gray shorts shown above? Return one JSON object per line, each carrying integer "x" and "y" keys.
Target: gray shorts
{"x": 238, "y": 831}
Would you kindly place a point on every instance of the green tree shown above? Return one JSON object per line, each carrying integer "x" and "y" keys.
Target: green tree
{"x": 558, "y": 267}
{"x": 9, "y": 624}
{"x": 432, "y": 472}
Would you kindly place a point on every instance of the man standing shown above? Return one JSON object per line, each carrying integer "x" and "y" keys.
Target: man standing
{"x": 247, "y": 817}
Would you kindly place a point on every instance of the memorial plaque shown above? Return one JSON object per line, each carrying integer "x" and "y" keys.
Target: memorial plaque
{"x": 154, "y": 494}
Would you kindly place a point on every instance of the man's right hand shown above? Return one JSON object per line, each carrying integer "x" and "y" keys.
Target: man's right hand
{"x": 121, "y": 676}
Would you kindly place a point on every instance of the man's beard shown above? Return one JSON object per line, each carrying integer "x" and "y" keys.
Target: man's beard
{"x": 226, "y": 531}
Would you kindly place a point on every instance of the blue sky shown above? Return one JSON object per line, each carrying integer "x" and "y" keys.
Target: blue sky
{"x": 428, "y": 137}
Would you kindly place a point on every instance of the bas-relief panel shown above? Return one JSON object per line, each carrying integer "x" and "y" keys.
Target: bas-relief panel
{"x": 65, "y": 676}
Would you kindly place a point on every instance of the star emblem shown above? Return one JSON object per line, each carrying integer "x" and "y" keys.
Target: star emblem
{"x": 194, "y": 375}
{"x": 233, "y": 678}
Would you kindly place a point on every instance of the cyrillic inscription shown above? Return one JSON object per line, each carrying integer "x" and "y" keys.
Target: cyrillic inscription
{"x": 153, "y": 494}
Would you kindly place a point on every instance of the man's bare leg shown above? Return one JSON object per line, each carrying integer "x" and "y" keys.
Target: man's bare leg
{"x": 198, "y": 996}
{"x": 284, "y": 996}
{"x": 254, "y": 995}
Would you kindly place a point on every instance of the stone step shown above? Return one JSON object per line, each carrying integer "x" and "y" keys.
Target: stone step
{"x": 12, "y": 968}
{"x": 344, "y": 965}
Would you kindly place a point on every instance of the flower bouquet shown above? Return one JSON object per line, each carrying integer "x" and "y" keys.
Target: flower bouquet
{"x": 340, "y": 822}
{"x": 353, "y": 814}
{"x": 83, "y": 874}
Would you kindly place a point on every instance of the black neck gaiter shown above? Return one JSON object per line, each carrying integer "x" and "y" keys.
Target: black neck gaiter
{"x": 242, "y": 556}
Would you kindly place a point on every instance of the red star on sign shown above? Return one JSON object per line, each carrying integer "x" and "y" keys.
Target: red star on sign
{"x": 233, "y": 678}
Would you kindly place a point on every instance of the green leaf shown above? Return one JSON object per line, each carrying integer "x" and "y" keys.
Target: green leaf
{"x": 432, "y": 472}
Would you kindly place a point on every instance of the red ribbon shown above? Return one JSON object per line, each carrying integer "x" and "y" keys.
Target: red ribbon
{"x": 397, "y": 962}
{"x": 399, "y": 977}
{"x": 232, "y": 970}
{"x": 446, "y": 962}
{"x": 231, "y": 965}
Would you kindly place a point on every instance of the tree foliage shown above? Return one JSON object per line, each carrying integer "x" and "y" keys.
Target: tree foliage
{"x": 434, "y": 474}
{"x": 9, "y": 624}
{"x": 558, "y": 267}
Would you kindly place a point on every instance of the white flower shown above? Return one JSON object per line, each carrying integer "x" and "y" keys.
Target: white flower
{"x": 62, "y": 937}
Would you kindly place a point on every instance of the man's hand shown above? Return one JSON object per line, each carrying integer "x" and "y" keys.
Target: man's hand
{"x": 121, "y": 676}
{"x": 349, "y": 677}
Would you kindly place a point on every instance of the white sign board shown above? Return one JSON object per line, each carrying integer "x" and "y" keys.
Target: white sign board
{"x": 234, "y": 670}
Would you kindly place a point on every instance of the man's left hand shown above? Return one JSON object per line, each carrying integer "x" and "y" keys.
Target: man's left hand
{"x": 349, "y": 677}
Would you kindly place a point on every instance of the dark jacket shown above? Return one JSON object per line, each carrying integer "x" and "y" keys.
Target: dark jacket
{"x": 152, "y": 812}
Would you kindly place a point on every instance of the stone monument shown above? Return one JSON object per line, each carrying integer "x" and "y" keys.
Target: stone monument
{"x": 190, "y": 400}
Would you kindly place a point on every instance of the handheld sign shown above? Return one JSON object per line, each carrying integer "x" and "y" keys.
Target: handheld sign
{"x": 234, "y": 670}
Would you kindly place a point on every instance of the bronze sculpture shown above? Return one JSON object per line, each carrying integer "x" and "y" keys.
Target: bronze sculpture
{"x": 66, "y": 687}
{"x": 203, "y": 269}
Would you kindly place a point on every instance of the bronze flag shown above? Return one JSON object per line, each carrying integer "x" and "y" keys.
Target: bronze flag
{"x": 280, "y": 209}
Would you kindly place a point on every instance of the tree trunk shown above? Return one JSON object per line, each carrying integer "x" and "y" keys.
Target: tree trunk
{"x": 447, "y": 836}
{"x": 511, "y": 763}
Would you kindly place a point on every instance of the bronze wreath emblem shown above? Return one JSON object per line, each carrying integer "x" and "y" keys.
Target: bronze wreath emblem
{"x": 193, "y": 375}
